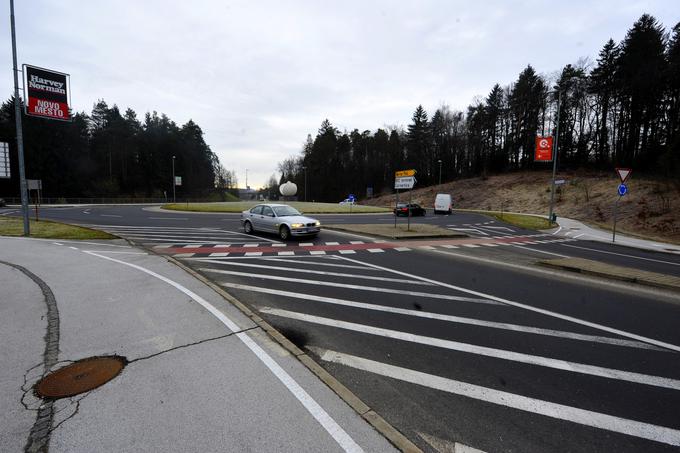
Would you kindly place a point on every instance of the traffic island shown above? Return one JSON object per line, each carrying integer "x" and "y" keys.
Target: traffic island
{"x": 416, "y": 231}
{"x": 47, "y": 229}
{"x": 625, "y": 274}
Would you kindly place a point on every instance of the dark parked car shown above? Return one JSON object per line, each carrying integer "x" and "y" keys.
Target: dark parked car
{"x": 2, "y": 203}
{"x": 404, "y": 208}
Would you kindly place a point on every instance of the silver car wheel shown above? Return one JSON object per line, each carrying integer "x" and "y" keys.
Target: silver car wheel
{"x": 284, "y": 232}
{"x": 248, "y": 227}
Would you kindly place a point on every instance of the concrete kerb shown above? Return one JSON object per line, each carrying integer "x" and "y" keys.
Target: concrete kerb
{"x": 625, "y": 274}
{"x": 362, "y": 409}
{"x": 349, "y": 229}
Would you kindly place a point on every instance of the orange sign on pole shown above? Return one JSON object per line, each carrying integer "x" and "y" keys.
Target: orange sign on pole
{"x": 544, "y": 149}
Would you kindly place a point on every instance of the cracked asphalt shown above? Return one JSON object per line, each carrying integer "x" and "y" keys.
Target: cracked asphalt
{"x": 200, "y": 375}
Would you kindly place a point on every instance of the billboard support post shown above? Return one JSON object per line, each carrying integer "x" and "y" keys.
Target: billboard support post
{"x": 20, "y": 137}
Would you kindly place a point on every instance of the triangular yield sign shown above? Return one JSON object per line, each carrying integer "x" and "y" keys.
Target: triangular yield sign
{"x": 624, "y": 173}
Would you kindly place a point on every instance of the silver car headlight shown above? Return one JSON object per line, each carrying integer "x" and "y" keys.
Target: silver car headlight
{"x": 297, "y": 225}
{"x": 317, "y": 223}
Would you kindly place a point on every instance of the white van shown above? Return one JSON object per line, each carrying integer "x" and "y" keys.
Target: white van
{"x": 443, "y": 203}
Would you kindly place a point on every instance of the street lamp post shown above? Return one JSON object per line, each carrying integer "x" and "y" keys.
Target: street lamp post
{"x": 555, "y": 153}
{"x": 305, "y": 170}
{"x": 174, "y": 199}
{"x": 440, "y": 171}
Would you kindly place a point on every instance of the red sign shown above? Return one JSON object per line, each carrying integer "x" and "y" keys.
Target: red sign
{"x": 544, "y": 149}
{"x": 624, "y": 173}
{"x": 47, "y": 93}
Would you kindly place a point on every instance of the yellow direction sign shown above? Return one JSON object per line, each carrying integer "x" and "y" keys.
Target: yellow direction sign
{"x": 402, "y": 173}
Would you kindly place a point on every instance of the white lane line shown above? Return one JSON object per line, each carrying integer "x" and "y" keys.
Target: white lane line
{"x": 332, "y": 243}
{"x": 540, "y": 251}
{"x": 532, "y": 405}
{"x": 547, "y": 362}
{"x": 402, "y": 249}
{"x": 489, "y": 245}
{"x": 310, "y": 271}
{"x": 449, "y": 246}
{"x": 470, "y": 245}
{"x": 356, "y": 242}
{"x": 320, "y": 415}
{"x": 476, "y": 230}
{"x": 110, "y": 215}
{"x": 447, "y": 318}
{"x": 350, "y": 286}
{"x": 578, "y": 236}
{"x": 622, "y": 254}
{"x": 553, "y": 314}
{"x": 501, "y": 228}
{"x": 282, "y": 254}
{"x": 346, "y": 252}
{"x": 426, "y": 247}
{"x": 558, "y": 230}
{"x": 316, "y": 263}
{"x": 254, "y": 253}
{"x": 219, "y": 254}
{"x": 278, "y": 244}
{"x": 317, "y": 252}
{"x": 192, "y": 246}
{"x": 117, "y": 252}
{"x": 251, "y": 245}
{"x": 375, "y": 250}
{"x": 306, "y": 244}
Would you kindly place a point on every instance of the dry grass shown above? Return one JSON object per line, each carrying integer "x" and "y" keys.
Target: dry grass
{"x": 45, "y": 229}
{"x": 650, "y": 210}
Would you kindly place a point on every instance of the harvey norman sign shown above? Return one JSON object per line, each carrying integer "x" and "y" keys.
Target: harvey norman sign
{"x": 47, "y": 93}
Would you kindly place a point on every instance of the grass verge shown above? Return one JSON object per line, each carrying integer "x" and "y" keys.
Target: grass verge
{"x": 528, "y": 221}
{"x": 417, "y": 230}
{"x": 46, "y": 229}
{"x": 304, "y": 207}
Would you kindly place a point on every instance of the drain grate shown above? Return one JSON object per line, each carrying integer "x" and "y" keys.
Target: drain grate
{"x": 80, "y": 377}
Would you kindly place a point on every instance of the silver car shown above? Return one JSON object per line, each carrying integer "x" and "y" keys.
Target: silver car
{"x": 280, "y": 219}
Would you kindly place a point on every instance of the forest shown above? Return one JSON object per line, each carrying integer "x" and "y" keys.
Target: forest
{"x": 621, "y": 110}
{"x": 109, "y": 154}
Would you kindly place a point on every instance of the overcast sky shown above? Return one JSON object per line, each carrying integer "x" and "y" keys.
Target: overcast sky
{"x": 258, "y": 76}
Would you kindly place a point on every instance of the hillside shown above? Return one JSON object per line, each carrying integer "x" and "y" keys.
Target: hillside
{"x": 649, "y": 210}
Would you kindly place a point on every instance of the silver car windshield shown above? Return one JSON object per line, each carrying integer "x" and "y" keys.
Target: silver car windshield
{"x": 282, "y": 211}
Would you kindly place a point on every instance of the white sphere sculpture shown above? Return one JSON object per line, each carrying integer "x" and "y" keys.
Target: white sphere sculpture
{"x": 288, "y": 189}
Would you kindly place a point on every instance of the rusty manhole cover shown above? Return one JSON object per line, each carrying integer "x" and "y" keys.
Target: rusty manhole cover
{"x": 80, "y": 377}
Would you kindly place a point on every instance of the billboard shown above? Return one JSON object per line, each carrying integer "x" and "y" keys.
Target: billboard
{"x": 4, "y": 161}
{"x": 46, "y": 93}
{"x": 544, "y": 151}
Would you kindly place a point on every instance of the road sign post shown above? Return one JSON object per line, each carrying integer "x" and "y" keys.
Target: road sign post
{"x": 622, "y": 191}
{"x": 404, "y": 179}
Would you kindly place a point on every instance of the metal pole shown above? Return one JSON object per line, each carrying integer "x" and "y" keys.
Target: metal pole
{"x": 305, "y": 168}
{"x": 174, "y": 199}
{"x": 410, "y": 200}
{"x": 555, "y": 153}
{"x": 440, "y": 172}
{"x": 20, "y": 137}
{"x": 616, "y": 204}
{"x": 396, "y": 203}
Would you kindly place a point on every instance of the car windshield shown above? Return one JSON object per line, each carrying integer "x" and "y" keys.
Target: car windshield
{"x": 283, "y": 211}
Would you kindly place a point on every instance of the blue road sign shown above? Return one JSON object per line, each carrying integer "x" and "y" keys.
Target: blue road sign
{"x": 623, "y": 189}
{"x": 351, "y": 197}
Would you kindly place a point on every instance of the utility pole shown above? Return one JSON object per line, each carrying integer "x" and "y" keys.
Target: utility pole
{"x": 246, "y": 179}
{"x": 174, "y": 183}
{"x": 555, "y": 153}
{"x": 20, "y": 137}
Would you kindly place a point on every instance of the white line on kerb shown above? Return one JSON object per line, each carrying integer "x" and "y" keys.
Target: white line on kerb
{"x": 621, "y": 254}
{"x": 553, "y": 314}
{"x": 329, "y": 424}
{"x": 537, "y": 360}
{"x": 553, "y": 410}
{"x": 447, "y": 318}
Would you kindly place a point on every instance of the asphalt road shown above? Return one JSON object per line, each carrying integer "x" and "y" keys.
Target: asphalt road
{"x": 454, "y": 341}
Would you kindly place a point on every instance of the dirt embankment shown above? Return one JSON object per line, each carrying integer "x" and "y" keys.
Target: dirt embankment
{"x": 651, "y": 209}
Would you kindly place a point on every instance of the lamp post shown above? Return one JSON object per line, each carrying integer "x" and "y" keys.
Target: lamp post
{"x": 174, "y": 199}
{"x": 555, "y": 153}
{"x": 440, "y": 171}
{"x": 305, "y": 170}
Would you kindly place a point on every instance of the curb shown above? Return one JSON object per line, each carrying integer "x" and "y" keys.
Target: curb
{"x": 455, "y": 235}
{"x": 624, "y": 274}
{"x": 379, "y": 424}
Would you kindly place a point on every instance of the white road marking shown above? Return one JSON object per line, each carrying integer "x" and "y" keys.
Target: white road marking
{"x": 346, "y": 252}
{"x": 532, "y": 405}
{"x": 110, "y": 215}
{"x": 622, "y": 254}
{"x": 350, "y": 286}
{"x": 183, "y": 255}
{"x": 540, "y": 251}
{"x": 356, "y": 242}
{"x": 278, "y": 244}
{"x": 500, "y": 228}
{"x": 489, "y": 244}
{"x": 192, "y": 246}
{"x": 117, "y": 252}
{"x": 449, "y": 246}
{"x": 320, "y": 415}
{"x": 317, "y": 252}
{"x": 426, "y": 247}
{"x": 447, "y": 318}
{"x": 547, "y": 362}
{"x": 311, "y": 271}
{"x": 332, "y": 243}
{"x": 478, "y": 231}
{"x": 578, "y": 236}
{"x": 219, "y": 254}
{"x": 251, "y": 245}
{"x": 470, "y": 245}
{"x": 553, "y": 314}
{"x": 402, "y": 249}
{"x": 375, "y": 250}
{"x": 168, "y": 218}
{"x": 558, "y": 230}
{"x": 254, "y": 253}
{"x": 316, "y": 263}
{"x": 285, "y": 253}
{"x": 306, "y": 244}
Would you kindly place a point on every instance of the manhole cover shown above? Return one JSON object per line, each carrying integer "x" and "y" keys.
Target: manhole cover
{"x": 80, "y": 377}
